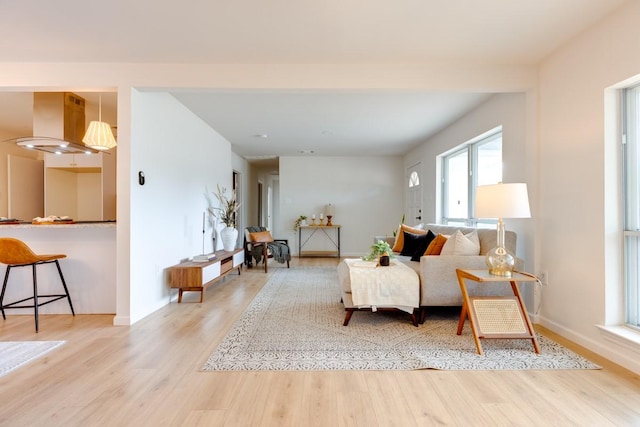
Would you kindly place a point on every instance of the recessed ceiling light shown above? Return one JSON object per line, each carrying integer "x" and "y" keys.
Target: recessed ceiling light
{"x": 306, "y": 151}
{"x": 261, "y": 135}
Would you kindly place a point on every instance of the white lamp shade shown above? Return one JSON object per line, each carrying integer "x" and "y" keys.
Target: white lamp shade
{"x": 99, "y": 136}
{"x": 502, "y": 201}
{"x": 329, "y": 210}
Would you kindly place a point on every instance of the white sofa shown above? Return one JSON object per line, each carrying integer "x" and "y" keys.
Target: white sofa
{"x": 438, "y": 281}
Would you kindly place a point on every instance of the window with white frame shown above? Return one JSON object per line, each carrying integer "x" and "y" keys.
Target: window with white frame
{"x": 631, "y": 185}
{"x": 477, "y": 162}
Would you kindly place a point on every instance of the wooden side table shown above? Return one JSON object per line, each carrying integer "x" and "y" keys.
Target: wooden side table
{"x": 496, "y": 316}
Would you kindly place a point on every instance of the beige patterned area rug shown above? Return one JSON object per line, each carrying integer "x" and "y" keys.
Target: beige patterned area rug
{"x": 295, "y": 324}
{"x": 14, "y": 354}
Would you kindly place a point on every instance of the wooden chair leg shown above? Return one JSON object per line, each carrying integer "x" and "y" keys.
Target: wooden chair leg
{"x": 264, "y": 256}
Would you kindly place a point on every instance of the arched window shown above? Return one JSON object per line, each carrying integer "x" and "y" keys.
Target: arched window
{"x": 414, "y": 179}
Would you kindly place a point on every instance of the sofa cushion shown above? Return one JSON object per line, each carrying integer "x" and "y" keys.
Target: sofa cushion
{"x": 425, "y": 241}
{"x": 436, "y": 245}
{"x": 462, "y": 244}
{"x": 412, "y": 242}
{"x": 487, "y": 236}
{"x": 399, "y": 243}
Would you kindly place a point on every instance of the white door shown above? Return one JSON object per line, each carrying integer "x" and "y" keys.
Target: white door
{"x": 414, "y": 195}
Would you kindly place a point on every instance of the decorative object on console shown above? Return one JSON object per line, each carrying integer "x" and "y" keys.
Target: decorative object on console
{"x": 229, "y": 236}
{"x": 501, "y": 201}
{"x": 330, "y": 211}
{"x": 313, "y": 219}
{"x": 227, "y": 215}
{"x": 321, "y": 218}
{"x": 203, "y": 257}
{"x": 99, "y": 135}
{"x": 302, "y": 220}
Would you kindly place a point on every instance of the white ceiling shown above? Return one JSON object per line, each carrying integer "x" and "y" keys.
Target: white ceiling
{"x": 301, "y": 31}
{"x": 327, "y": 123}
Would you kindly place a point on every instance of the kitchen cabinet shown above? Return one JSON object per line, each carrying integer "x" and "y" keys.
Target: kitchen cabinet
{"x": 81, "y": 186}
{"x": 75, "y": 162}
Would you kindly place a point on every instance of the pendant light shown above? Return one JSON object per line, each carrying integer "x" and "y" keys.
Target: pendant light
{"x": 99, "y": 135}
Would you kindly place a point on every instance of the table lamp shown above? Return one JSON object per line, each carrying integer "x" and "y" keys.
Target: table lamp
{"x": 329, "y": 211}
{"x": 501, "y": 201}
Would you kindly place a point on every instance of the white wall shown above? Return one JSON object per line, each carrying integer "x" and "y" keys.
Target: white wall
{"x": 579, "y": 213}
{"x": 519, "y": 164}
{"x": 366, "y": 191}
{"x": 511, "y": 111}
{"x": 181, "y": 158}
{"x": 241, "y": 166}
{"x": 265, "y": 175}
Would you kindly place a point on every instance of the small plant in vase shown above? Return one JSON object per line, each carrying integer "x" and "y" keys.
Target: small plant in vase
{"x": 302, "y": 220}
{"x": 380, "y": 251}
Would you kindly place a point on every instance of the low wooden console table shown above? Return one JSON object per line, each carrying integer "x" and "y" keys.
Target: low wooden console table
{"x": 496, "y": 316}
{"x": 312, "y": 229}
{"x": 197, "y": 276}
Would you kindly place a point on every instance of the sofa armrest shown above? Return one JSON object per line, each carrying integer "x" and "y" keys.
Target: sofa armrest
{"x": 389, "y": 239}
{"x": 439, "y": 282}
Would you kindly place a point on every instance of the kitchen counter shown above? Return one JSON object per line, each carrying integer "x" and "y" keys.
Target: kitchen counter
{"x": 89, "y": 268}
{"x": 78, "y": 224}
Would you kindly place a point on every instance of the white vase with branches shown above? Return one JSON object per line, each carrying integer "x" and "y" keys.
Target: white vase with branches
{"x": 226, "y": 213}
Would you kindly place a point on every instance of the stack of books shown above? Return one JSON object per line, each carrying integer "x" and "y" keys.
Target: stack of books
{"x": 204, "y": 257}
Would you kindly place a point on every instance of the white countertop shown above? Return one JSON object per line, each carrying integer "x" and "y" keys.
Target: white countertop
{"x": 97, "y": 224}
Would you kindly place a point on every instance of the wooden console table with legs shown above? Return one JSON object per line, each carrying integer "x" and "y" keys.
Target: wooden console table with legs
{"x": 197, "y": 276}
{"x": 496, "y": 316}
{"x": 311, "y": 231}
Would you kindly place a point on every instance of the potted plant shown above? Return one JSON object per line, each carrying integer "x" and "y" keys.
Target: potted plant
{"x": 381, "y": 251}
{"x": 302, "y": 220}
{"x": 226, "y": 213}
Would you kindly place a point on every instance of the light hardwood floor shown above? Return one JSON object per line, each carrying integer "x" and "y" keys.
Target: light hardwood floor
{"x": 148, "y": 375}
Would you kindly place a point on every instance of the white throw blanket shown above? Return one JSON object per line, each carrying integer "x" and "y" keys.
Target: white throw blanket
{"x": 395, "y": 286}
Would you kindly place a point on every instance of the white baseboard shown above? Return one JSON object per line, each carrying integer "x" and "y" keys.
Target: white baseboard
{"x": 614, "y": 348}
{"x": 121, "y": 321}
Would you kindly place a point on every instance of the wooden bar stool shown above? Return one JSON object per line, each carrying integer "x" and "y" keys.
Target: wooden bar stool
{"x": 15, "y": 253}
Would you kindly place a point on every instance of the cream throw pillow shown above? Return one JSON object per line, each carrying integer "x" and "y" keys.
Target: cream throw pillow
{"x": 462, "y": 244}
